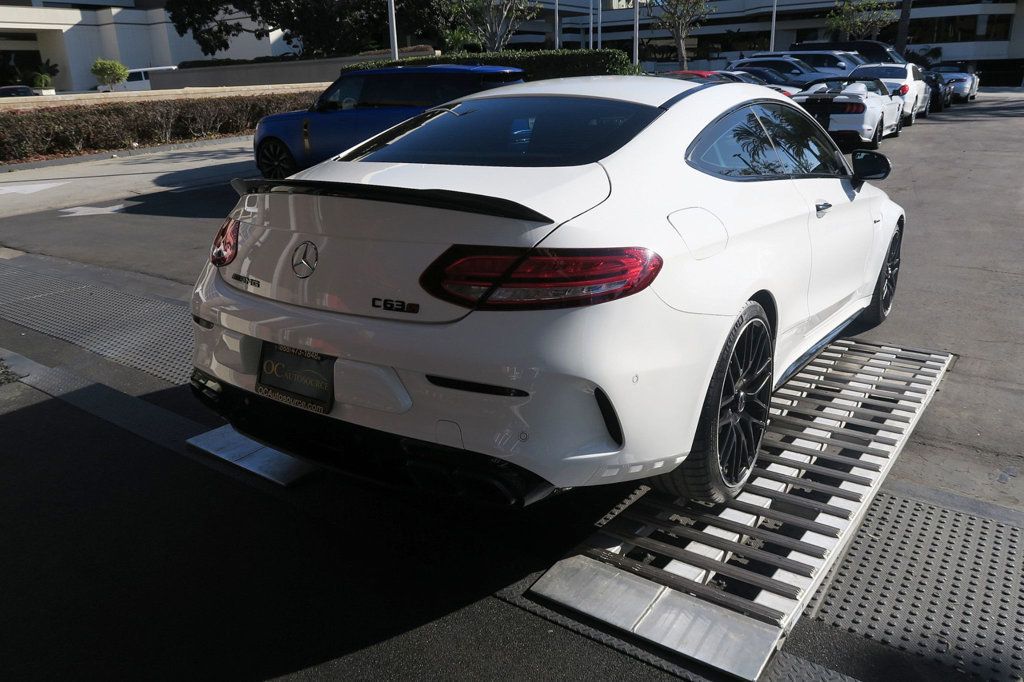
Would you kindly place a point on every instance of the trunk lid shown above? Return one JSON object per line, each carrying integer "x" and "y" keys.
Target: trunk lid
{"x": 373, "y": 229}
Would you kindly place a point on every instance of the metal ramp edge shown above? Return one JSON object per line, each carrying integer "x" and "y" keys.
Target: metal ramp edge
{"x": 725, "y": 584}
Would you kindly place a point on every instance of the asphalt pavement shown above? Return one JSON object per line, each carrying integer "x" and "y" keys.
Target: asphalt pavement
{"x": 125, "y": 558}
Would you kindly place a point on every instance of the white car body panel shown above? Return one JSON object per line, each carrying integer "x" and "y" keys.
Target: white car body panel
{"x": 884, "y": 110}
{"x": 918, "y": 97}
{"x": 653, "y": 352}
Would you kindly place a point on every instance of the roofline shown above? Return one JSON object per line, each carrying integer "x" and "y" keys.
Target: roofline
{"x": 672, "y": 101}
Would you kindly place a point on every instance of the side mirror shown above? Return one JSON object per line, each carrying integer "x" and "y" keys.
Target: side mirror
{"x": 841, "y": 65}
{"x": 870, "y": 166}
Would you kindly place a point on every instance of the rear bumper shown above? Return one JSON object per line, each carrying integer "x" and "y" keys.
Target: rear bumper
{"x": 850, "y": 128}
{"x": 652, "y": 363}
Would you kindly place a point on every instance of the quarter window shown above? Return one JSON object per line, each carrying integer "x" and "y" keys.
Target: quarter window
{"x": 737, "y": 146}
{"x": 803, "y": 149}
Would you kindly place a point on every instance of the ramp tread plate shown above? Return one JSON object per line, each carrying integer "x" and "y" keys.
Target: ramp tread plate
{"x": 715, "y": 588}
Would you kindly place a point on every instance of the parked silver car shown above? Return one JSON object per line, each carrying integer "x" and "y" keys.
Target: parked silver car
{"x": 965, "y": 84}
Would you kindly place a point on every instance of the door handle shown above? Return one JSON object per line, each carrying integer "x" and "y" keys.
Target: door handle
{"x": 821, "y": 207}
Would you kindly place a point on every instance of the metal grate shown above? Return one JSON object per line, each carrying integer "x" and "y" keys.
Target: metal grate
{"x": 936, "y": 582}
{"x": 724, "y": 584}
{"x": 151, "y": 335}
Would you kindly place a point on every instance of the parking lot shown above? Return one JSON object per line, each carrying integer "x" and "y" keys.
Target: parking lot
{"x": 128, "y": 554}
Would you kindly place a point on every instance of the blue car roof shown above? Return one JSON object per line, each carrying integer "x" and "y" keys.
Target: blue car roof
{"x": 441, "y": 68}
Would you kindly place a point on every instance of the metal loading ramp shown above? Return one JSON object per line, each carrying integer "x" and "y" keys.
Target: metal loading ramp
{"x": 724, "y": 584}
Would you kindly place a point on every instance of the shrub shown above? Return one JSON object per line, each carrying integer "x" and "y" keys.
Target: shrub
{"x": 42, "y": 81}
{"x": 109, "y": 71}
{"x": 59, "y": 131}
{"x": 538, "y": 64}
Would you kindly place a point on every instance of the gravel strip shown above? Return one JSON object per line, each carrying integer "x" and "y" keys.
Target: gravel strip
{"x": 6, "y": 375}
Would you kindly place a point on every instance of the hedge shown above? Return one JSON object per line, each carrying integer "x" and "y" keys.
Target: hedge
{"x": 61, "y": 131}
{"x": 538, "y": 64}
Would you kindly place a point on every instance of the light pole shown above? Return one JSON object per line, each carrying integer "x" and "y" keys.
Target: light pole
{"x": 591, "y": 43}
{"x": 392, "y": 30}
{"x": 599, "y": 3}
{"x": 558, "y": 28}
{"x": 771, "y": 38}
{"x": 636, "y": 32}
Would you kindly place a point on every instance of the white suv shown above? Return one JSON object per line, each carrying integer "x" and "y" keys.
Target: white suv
{"x": 826, "y": 61}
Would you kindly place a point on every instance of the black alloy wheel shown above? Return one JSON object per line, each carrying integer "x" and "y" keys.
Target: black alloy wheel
{"x": 743, "y": 407}
{"x": 885, "y": 286}
{"x": 274, "y": 159}
{"x": 733, "y": 416}
{"x": 891, "y": 272}
{"x": 876, "y": 138}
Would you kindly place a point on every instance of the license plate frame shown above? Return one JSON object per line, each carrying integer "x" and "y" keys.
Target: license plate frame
{"x": 296, "y": 377}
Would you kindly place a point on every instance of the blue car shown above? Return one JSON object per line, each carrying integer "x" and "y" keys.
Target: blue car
{"x": 361, "y": 104}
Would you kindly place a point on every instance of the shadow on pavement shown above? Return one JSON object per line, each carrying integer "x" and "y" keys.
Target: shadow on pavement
{"x": 213, "y": 201}
{"x": 125, "y": 560}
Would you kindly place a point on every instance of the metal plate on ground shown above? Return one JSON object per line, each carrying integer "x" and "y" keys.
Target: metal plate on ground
{"x": 724, "y": 584}
{"x": 937, "y": 582}
{"x": 148, "y": 334}
{"x": 271, "y": 464}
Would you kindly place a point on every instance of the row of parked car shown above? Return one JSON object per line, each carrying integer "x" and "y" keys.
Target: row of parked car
{"x": 860, "y": 92}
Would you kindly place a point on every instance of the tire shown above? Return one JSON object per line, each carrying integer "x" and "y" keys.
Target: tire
{"x": 734, "y": 416}
{"x": 274, "y": 159}
{"x": 940, "y": 105}
{"x": 885, "y": 286}
{"x": 876, "y": 138}
{"x": 927, "y": 109}
{"x": 910, "y": 120}
{"x": 899, "y": 126}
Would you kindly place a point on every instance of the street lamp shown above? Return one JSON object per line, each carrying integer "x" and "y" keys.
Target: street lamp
{"x": 771, "y": 38}
{"x": 591, "y": 13}
{"x": 558, "y": 28}
{"x": 636, "y": 32}
{"x": 392, "y": 30}
{"x": 599, "y": 3}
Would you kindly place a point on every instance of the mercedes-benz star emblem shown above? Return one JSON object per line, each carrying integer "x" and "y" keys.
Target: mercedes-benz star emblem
{"x": 304, "y": 259}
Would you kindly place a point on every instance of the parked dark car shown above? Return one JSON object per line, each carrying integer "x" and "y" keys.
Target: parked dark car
{"x": 17, "y": 91}
{"x": 942, "y": 90}
{"x": 872, "y": 50}
{"x": 361, "y": 104}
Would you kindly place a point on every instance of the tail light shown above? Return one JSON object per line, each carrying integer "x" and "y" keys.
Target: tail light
{"x": 225, "y": 244}
{"x": 495, "y": 278}
{"x": 848, "y": 108}
{"x": 904, "y": 89}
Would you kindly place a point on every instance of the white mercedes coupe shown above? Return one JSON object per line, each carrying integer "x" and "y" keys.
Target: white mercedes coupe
{"x": 554, "y": 284}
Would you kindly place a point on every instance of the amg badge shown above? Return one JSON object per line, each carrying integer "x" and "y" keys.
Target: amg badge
{"x": 396, "y": 306}
{"x": 251, "y": 281}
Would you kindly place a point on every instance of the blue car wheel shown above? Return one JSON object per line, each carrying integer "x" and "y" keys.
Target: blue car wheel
{"x": 274, "y": 159}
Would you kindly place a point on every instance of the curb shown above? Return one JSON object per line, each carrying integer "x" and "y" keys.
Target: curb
{"x": 140, "y": 151}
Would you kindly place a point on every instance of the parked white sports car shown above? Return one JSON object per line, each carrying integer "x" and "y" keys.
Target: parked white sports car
{"x": 905, "y": 81}
{"x": 853, "y": 110}
{"x": 555, "y": 284}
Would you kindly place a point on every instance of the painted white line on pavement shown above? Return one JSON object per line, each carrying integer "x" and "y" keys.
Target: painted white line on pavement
{"x": 29, "y": 188}
{"x": 90, "y": 210}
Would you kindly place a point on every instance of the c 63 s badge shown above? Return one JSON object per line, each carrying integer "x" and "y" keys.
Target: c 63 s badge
{"x": 251, "y": 281}
{"x": 395, "y": 306}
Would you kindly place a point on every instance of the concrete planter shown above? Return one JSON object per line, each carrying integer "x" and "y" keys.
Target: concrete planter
{"x": 44, "y": 91}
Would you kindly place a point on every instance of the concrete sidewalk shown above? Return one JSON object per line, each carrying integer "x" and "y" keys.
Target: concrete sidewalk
{"x": 83, "y": 185}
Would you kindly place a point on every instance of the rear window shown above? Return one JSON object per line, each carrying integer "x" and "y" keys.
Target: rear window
{"x": 511, "y": 131}
{"x": 881, "y": 72}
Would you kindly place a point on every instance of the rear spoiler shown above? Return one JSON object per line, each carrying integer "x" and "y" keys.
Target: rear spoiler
{"x": 434, "y": 198}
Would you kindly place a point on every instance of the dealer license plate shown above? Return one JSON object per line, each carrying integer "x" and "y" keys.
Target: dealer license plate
{"x": 296, "y": 377}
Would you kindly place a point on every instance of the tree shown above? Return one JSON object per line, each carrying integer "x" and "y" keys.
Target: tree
{"x": 316, "y": 28}
{"x": 679, "y": 17}
{"x": 858, "y": 19}
{"x": 903, "y": 30}
{"x": 493, "y": 21}
{"x": 109, "y": 71}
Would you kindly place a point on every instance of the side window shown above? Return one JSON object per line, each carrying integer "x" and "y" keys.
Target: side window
{"x": 344, "y": 94}
{"x": 803, "y": 148}
{"x": 134, "y": 76}
{"x": 736, "y": 146}
{"x": 917, "y": 73}
{"x": 145, "y": 75}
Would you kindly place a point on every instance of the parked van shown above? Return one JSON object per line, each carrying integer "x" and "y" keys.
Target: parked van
{"x": 138, "y": 79}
